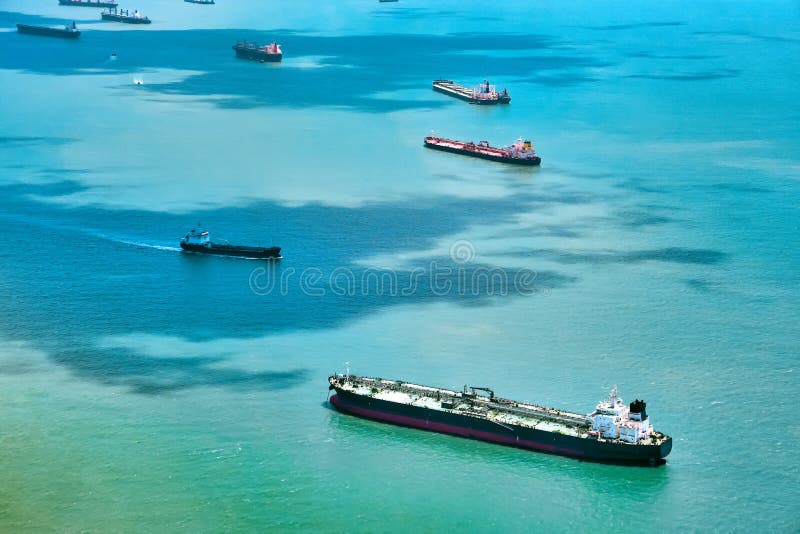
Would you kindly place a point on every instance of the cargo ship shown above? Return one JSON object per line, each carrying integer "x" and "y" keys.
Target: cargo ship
{"x": 123, "y": 15}
{"x": 199, "y": 241}
{"x": 483, "y": 94}
{"x": 612, "y": 433}
{"x": 271, "y": 52}
{"x": 88, "y": 3}
{"x": 199, "y": 1}
{"x": 67, "y": 32}
{"x": 520, "y": 153}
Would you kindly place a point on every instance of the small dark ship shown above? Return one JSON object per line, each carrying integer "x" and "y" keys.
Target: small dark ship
{"x": 88, "y": 3}
{"x": 484, "y": 94}
{"x": 69, "y": 31}
{"x": 520, "y": 153}
{"x": 123, "y": 15}
{"x": 271, "y": 52}
{"x": 207, "y": 2}
{"x": 612, "y": 433}
{"x": 199, "y": 241}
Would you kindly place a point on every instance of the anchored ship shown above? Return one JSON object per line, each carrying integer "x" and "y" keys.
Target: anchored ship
{"x": 67, "y": 32}
{"x": 271, "y": 52}
{"x": 520, "y": 153}
{"x": 123, "y": 15}
{"x": 200, "y": 241}
{"x": 88, "y": 3}
{"x": 483, "y": 94}
{"x": 613, "y": 432}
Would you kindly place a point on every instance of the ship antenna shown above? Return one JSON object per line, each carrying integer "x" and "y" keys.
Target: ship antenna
{"x": 347, "y": 371}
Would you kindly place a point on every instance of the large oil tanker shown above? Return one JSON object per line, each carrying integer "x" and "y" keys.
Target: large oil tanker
{"x": 520, "y": 153}
{"x": 271, "y": 52}
{"x": 613, "y": 432}
{"x": 199, "y": 241}
{"x": 67, "y": 32}
{"x": 123, "y": 15}
{"x": 484, "y": 94}
{"x": 88, "y": 3}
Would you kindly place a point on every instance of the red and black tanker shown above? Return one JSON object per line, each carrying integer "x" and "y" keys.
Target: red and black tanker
{"x": 520, "y": 153}
{"x": 613, "y": 433}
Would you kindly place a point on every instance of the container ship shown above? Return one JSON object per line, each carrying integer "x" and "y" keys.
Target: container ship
{"x": 484, "y": 94}
{"x": 67, "y": 32}
{"x": 271, "y": 52}
{"x": 520, "y": 153}
{"x": 123, "y": 15}
{"x": 88, "y": 3}
{"x": 612, "y": 433}
{"x": 199, "y": 241}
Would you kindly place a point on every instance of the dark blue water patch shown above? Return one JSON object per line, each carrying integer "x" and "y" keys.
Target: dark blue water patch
{"x": 50, "y": 189}
{"x": 679, "y": 255}
{"x": 640, "y": 219}
{"x": 681, "y": 57}
{"x": 635, "y": 26}
{"x": 690, "y": 77}
{"x": 740, "y": 34}
{"x": 740, "y": 188}
{"x": 77, "y": 274}
{"x": 147, "y": 375}
{"x": 641, "y": 187}
{"x": 778, "y": 38}
{"x": 355, "y": 68}
{"x": 699, "y": 284}
{"x": 15, "y": 141}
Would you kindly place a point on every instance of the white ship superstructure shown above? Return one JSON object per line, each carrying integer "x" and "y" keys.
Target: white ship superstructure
{"x": 612, "y": 419}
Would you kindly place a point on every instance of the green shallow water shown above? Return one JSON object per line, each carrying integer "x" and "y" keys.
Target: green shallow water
{"x": 146, "y": 390}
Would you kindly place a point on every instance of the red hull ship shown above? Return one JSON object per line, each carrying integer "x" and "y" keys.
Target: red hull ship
{"x": 520, "y": 153}
{"x": 268, "y": 53}
{"x": 612, "y": 433}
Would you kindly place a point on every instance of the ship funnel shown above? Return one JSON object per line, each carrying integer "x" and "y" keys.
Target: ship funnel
{"x": 638, "y": 410}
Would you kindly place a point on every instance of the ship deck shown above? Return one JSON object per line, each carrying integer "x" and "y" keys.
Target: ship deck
{"x": 454, "y": 89}
{"x": 501, "y": 411}
{"x": 470, "y": 147}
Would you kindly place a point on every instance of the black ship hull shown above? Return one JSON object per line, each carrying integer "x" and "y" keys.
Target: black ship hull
{"x": 511, "y": 435}
{"x": 255, "y": 55}
{"x": 48, "y": 32}
{"x": 125, "y": 19}
{"x": 465, "y": 98}
{"x": 269, "y": 253}
{"x": 529, "y": 162}
{"x": 87, "y": 4}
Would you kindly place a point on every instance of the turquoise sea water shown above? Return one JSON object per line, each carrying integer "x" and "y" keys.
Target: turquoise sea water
{"x": 146, "y": 390}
